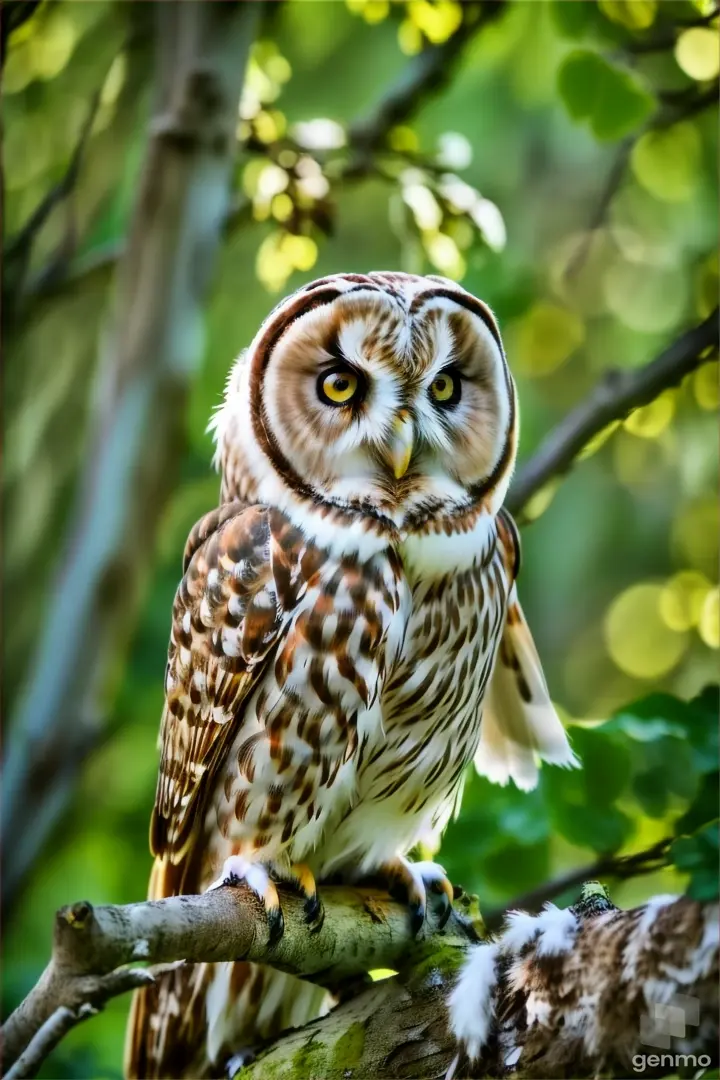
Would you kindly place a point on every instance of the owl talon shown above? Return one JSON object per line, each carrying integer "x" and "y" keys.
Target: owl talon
{"x": 300, "y": 878}
{"x": 239, "y": 871}
{"x": 314, "y": 914}
{"x": 412, "y": 882}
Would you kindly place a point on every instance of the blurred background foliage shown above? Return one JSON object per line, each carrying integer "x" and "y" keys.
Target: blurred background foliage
{"x": 565, "y": 171}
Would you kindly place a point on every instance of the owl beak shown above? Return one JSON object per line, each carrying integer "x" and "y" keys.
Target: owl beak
{"x": 401, "y": 447}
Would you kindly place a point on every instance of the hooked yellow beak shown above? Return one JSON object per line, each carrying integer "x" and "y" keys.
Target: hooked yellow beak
{"x": 402, "y": 443}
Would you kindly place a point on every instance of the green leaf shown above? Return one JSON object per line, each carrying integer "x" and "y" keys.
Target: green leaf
{"x": 604, "y": 829}
{"x": 516, "y": 868}
{"x": 697, "y": 855}
{"x": 612, "y": 100}
{"x": 703, "y": 808}
{"x": 606, "y": 762}
{"x": 571, "y": 17}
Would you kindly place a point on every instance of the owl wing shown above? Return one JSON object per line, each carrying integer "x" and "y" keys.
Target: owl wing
{"x": 227, "y": 616}
{"x": 242, "y": 573}
{"x": 520, "y": 725}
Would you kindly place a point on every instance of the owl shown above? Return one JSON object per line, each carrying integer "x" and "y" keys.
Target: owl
{"x": 346, "y": 638}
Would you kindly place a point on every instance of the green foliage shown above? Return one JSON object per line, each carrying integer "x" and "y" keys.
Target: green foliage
{"x": 654, "y": 760}
{"x": 698, "y": 856}
{"x": 613, "y": 102}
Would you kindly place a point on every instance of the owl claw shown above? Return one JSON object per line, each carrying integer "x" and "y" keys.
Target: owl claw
{"x": 300, "y": 877}
{"x": 413, "y": 881}
{"x": 236, "y": 871}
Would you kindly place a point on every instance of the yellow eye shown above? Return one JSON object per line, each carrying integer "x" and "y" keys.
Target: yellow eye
{"x": 338, "y": 387}
{"x": 445, "y": 388}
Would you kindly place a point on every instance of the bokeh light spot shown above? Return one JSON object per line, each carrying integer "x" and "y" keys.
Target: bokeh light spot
{"x": 706, "y": 386}
{"x": 546, "y": 338}
{"x": 667, "y": 161}
{"x": 695, "y": 534}
{"x": 637, "y": 637}
{"x": 650, "y": 420}
{"x": 52, "y": 48}
{"x": 682, "y": 599}
{"x": 709, "y": 623}
{"x": 698, "y": 53}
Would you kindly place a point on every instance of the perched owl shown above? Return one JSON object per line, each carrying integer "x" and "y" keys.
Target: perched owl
{"x": 346, "y": 637}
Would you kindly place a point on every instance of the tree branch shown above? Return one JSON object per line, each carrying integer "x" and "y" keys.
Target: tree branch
{"x": 362, "y": 930}
{"x": 148, "y": 357}
{"x": 614, "y": 867}
{"x": 513, "y": 995}
{"x": 612, "y": 399}
{"x": 425, "y": 74}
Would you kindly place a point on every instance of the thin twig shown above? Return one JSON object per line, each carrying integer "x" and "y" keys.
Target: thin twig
{"x": 669, "y": 41}
{"x": 425, "y": 74}
{"x": 18, "y": 245}
{"x": 609, "y": 190}
{"x": 617, "y": 867}
{"x": 612, "y": 399}
{"x": 46, "y": 1039}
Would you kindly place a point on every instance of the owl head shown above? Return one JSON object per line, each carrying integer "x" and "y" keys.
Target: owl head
{"x": 385, "y": 395}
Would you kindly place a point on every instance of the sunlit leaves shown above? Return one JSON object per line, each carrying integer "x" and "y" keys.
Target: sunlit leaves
{"x": 706, "y": 387}
{"x": 44, "y": 48}
{"x": 612, "y": 100}
{"x": 428, "y": 23}
{"x": 280, "y": 254}
{"x": 709, "y": 621}
{"x": 448, "y": 215}
{"x": 695, "y": 534}
{"x": 372, "y": 11}
{"x": 683, "y": 598}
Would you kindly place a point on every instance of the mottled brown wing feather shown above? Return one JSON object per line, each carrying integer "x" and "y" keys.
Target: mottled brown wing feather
{"x": 226, "y": 618}
{"x": 240, "y": 579}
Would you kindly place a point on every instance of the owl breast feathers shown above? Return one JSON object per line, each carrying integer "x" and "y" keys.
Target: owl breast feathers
{"x": 346, "y": 638}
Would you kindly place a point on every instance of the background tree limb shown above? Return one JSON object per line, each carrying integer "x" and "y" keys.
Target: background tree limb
{"x": 614, "y": 398}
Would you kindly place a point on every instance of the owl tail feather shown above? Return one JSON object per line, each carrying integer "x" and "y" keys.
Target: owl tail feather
{"x": 166, "y": 1028}
{"x": 519, "y": 726}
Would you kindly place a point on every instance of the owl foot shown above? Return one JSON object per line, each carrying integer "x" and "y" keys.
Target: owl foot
{"x": 300, "y": 878}
{"x": 238, "y": 1061}
{"x": 413, "y": 881}
{"x": 236, "y": 871}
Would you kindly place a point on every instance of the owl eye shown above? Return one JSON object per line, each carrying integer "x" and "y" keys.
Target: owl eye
{"x": 445, "y": 388}
{"x": 342, "y": 386}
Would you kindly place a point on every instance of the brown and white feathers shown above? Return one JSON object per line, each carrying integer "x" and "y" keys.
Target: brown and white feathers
{"x": 338, "y": 624}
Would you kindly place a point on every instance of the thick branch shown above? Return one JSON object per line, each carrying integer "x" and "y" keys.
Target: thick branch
{"x": 567, "y": 994}
{"x": 612, "y": 399}
{"x": 362, "y": 930}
